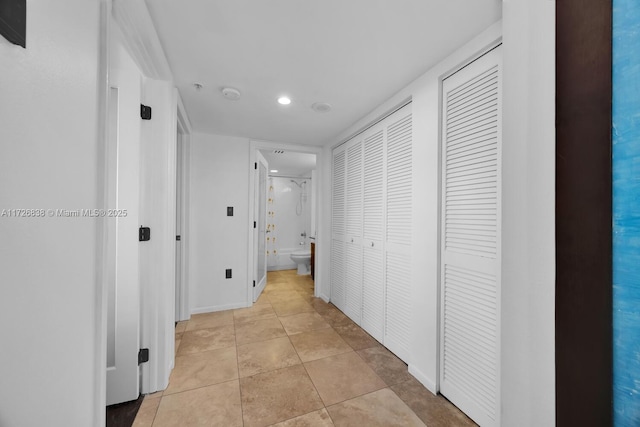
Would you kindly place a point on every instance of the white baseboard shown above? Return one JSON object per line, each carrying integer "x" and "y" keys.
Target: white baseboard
{"x": 211, "y": 309}
{"x": 324, "y": 298}
{"x": 424, "y": 380}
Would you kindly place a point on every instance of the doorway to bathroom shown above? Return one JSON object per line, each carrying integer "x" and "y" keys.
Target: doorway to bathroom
{"x": 285, "y": 219}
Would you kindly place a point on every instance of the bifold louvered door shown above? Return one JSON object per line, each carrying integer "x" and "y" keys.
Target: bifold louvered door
{"x": 353, "y": 244}
{"x": 373, "y": 309}
{"x": 338, "y": 220}
{"x": 372, "y": 230}
{"x": 398, "y": 232}
{"x": 470, "y": 254}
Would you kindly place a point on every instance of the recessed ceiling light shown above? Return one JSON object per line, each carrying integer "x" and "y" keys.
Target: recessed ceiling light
{"x": 230, "y": 93}
{"x": 321, "y": 107}
{"x": 274, "y": 171}
{"x": 283, "y": 100}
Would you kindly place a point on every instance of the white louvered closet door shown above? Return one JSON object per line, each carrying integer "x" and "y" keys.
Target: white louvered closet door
{"x": 373, "y": 232}
{"x": 398, "y": 277}
{"x": 471, "y": 200}
{"x": 338, "y": 220}
{"x": 353, "y": 259}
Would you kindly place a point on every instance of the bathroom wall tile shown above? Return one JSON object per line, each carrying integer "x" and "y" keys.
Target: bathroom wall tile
{"x": 303, "y": 322}
{"x": 386, "y": 364}
{"x": 381, "y": 408}
{"x": 209, "y": 320}
{"x": 259, "y": 330}
{"x": 342, "y": 377}
{"x": 207, "y": 339}
{"x": 215, "y": 405}
{"x": 278, "y": 396}
{"x": 203, "y": 369}
{"x": 435, "y": 411}
{"x": 317, "y": 344}
{"x": 256, "y": 358}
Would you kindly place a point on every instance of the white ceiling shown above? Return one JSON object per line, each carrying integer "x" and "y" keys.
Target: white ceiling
{"x": 290, "y": 163}
{"x": 352, "y": 54}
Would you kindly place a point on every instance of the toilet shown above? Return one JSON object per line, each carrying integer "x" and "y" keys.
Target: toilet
{"x": 302, "y": 258}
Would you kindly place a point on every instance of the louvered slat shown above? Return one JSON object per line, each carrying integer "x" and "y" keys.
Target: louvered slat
{"x": 338, "y": 193}
{"x": 471, "y": 163}
{"x": 399, "y": 181}
{"x": 373, "y": 311}
{"x": 353, "y": 282}
{"x": 398, "y": 304}
{"x": 354, "y": 190}
{"x": 470, "y": 325}
{"x": 337, "y": 273}
{"x": 373, "y": 186}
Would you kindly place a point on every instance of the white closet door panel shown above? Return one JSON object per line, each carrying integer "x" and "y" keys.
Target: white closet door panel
{"x": 398, "y": 304}
{"x": 373, "y": 309}
{"x": 353, "y": 282}
{"x": 338, "y": 193}
{"x": 374, "y": 187}
{"x": 354, "y": 190}
{"x": 471, "y": 188}
{"x": 338, "y": 273}
{"x": 399, "y": 178}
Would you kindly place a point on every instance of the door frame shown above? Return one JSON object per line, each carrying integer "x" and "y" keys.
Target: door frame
{"x": 259, "y": 198}
{"x": 254, "y": 146}
{"x": 183, "y": 305}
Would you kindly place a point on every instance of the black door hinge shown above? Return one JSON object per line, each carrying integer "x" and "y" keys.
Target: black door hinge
{"x": 255, "y": 165}
{"x": 143, "y": 356}
{"x": 177, "y": 238}
{"x": 254, "y": 224}
{"x": 144, "y": 234}
{"x": 254, "y": 283}
{"x": 145, "y": 112}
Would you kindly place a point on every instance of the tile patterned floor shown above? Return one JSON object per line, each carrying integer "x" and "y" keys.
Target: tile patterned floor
{"x": 290, "y": 360}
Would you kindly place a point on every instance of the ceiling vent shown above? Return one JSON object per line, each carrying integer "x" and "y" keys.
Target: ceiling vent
{"x": 231, "y": 94}
{"x": 278, "y": 151}
{"x": 321, "y": 107}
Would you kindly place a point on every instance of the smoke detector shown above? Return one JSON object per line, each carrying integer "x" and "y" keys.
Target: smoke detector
{"x": 321, "y": 107}
{"x": 230, "y": 93}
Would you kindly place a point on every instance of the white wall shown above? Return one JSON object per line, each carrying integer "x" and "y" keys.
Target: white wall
{"x": 528, "y": 274}
{"x": 49, "y": 159}
{"x": 528, "y": 372}
{"x": 219, "y": 177}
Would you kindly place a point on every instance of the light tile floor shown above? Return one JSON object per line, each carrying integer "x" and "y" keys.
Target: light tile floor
{"x": 290, "y": 360}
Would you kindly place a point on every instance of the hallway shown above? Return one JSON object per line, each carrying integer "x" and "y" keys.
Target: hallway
{"x": 290, "y": 360}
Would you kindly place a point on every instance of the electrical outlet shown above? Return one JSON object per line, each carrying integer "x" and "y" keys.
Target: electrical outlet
{"x": 228, "y": 273}
{"x": 229, "y": 210}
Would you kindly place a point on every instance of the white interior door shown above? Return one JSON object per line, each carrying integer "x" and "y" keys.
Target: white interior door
{"x": 178, "y": 291}
{"x": 123, "y": 183}
{"x": 399, "y": 231}
{"x": 353, "y": 256}
{"x": 260, "y": 227}
{"x": 373, "y": 310}
{"x": 339, "y": 169}
{"x": 471, "y": 227}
